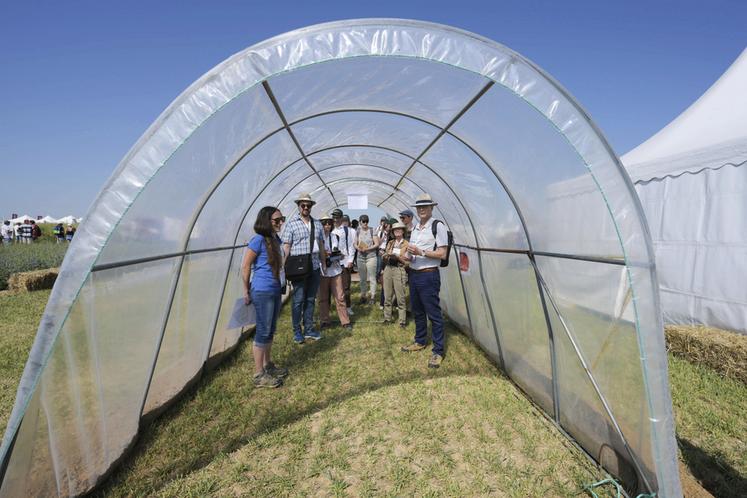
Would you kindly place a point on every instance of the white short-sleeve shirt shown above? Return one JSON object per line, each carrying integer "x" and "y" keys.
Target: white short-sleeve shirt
{"x": 422, "y": 238}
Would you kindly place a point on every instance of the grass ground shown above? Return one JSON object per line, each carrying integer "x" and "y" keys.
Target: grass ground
{"x": 711, "y": 426}
{"x": 16, "y": 258}
{"x": 20, "y": 314}
{"x": 357, "y": 417}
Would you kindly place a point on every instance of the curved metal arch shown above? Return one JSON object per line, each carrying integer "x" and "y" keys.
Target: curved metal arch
{"x": 241, "y": 156}
{"x": 360, "y": 178}
{"x": 335, "y": 147}
{"x": 342, "y": 165}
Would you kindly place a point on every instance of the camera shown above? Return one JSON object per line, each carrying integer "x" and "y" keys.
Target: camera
{"x": 334, "y": 257}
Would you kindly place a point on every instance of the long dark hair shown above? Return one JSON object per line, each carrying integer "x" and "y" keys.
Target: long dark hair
{"x": 263, "y": 227}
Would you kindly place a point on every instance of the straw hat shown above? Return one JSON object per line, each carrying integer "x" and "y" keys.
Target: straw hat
{"x": 397, "y": 225}
{"x": 305, "y": 197}
{"x": 424, "y": 200}
{"x": 326, "y": 217}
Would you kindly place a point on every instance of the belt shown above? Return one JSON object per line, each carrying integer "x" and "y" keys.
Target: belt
{"x": 424, "y": 270}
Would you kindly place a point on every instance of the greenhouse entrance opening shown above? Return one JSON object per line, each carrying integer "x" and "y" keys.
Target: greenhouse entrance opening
{"x": 552, "y": 272}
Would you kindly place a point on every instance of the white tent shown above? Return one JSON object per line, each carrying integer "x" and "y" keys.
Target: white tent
{"x": 691, "y": 178}
{"x": 392, "y": 108}
{"x": 22, "y": 218}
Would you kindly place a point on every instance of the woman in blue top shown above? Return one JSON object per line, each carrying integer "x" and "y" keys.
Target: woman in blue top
{"x": 264, "y": 258}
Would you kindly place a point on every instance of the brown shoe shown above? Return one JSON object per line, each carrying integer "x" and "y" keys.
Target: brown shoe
{"x": 411, "y": 348}
{"x": 435, "y": 361}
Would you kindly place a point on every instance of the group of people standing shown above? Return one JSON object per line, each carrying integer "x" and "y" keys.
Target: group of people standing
{"x": 317, "y": 255}
{"x": 29, "y": 231}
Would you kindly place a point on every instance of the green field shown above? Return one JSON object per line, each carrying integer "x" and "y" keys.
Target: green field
{"x": 42, "y": 254}
{"x": 357, "y": 417}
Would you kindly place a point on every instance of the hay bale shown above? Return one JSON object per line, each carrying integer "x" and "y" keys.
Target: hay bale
{"x": 33, "y": 280}
{"x": 720, "y": 350}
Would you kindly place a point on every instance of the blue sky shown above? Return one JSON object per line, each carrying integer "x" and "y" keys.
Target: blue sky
{"x": 81, "y": 81}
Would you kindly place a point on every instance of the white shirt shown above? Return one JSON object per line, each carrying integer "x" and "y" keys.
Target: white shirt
{"x": 352, "y": 240}
{"x": 6, "y": 231}
{"x": 422, "y": 238}
{"x": 332, "y": 242}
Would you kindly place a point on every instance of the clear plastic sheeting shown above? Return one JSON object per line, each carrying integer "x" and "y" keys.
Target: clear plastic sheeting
{"x": 560, "y": 291}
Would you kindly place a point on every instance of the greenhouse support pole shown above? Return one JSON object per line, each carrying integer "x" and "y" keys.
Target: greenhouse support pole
{"x": 594, "y": 384}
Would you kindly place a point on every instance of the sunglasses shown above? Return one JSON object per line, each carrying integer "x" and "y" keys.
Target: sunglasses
{"x": 364, "y": 221}
{"x": 327, "y": 222}
{"x": 279, "y": 219}
{"x": 305, "y": 205}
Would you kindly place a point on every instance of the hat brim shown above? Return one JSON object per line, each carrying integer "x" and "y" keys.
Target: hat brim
{"x": 424, "y": 204}
{"x": 299, "y": 201}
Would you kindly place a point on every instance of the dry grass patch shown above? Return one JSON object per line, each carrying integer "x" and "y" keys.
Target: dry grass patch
{"x": 33, "y": 280}
{"x": 448, "y": 436}
{"x": 722, "y": 351}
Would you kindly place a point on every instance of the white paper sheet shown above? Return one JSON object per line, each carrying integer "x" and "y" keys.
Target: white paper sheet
{"x": 242, "y": 315}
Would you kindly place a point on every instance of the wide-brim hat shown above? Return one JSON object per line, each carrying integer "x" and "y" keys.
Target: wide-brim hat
{"x": 305, "y": 197}
{"x": 424, "y": 200}
{"x": 399, "y": 224}
{"x": 326, "y": 217}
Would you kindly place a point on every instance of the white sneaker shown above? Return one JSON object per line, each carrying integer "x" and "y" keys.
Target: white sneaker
{"x": 350, "y": 312}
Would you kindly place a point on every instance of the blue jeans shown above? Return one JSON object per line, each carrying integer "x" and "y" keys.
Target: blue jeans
{"x": 424, "y": 290}
{"x": 267, "y": 304}
{"x": 304, "y": 297}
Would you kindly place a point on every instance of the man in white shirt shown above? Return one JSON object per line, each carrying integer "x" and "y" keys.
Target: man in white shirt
{"x": 425, "y": 253}
{"x": 6, "y": 232}
{"x": 347, "y": 248}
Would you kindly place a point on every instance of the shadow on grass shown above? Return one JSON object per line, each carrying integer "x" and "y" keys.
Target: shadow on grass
{"x": 716, "y": 476}
{"x": 242, "y": 413}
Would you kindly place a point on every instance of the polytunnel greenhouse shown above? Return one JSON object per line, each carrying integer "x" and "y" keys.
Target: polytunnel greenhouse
{"x": 559, "y": 289}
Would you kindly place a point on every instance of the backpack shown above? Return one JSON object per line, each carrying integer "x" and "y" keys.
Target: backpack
{"x": 450, "y": 238}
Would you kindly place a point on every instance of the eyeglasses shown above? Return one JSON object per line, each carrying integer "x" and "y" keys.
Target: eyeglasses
{"x": 279, "y": 219}
{"x": 327, "y": 222}
{"x": 305, "y": 205}
{"x": 364, "y": 221}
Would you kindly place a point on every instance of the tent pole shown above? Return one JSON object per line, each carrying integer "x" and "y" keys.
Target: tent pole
{"x": 551, "y": 337}
{"x": 287, "y": 127}
{"x": 445, "y": 129}
{"x": 464, "y": 294}
{"x": 597, "y": 390}
{"x": 492, "y": 314}
{"x": 164, "y": 323}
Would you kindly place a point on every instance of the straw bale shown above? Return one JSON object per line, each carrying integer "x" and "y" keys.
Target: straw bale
{"x": 720, "y": 350}
{"x": 33, "y": 280}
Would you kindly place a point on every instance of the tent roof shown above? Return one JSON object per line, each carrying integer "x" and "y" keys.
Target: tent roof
{"x": 712, "y": 128}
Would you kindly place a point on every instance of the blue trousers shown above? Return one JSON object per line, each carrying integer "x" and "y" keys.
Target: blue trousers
{"x": 424, "y": 290}
{"x": 268, "y": 306}
{"x": 304, "y": 297}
